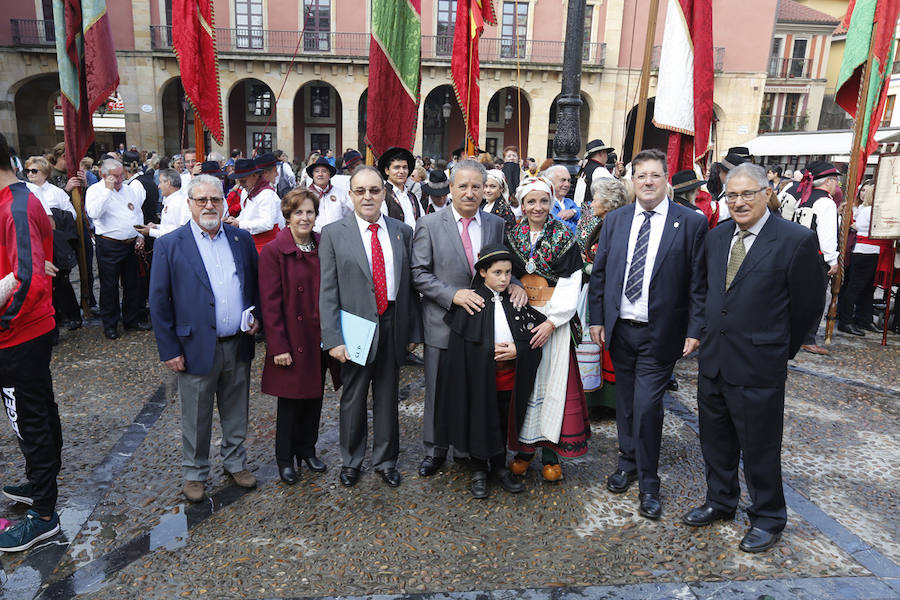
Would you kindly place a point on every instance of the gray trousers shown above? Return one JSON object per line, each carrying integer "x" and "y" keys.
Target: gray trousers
{"x": 228, "y": 385}
{"x": 433, "y": 356}
{"x": 384, "y": 376}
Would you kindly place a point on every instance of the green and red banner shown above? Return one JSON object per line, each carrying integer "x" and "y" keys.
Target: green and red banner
{"x": 194, "y": 42}
{"x": 395, "y": 56}
{"x": 471, "y": 15}
{"x": 88, "y": 71}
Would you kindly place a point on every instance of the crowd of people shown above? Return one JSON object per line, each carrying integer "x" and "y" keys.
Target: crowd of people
{"x": 535, "y": 293}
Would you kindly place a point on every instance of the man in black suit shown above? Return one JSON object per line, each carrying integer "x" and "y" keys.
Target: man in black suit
{"x": 646, "y": 303}
{"x": 764, "y": 281}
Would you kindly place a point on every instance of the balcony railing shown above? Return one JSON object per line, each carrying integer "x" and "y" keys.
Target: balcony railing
{"x": 718, "y": 58}
{"x": 33, "y": 32}
{"x": 434, "y": 47}
{"x": 789, "y": 68}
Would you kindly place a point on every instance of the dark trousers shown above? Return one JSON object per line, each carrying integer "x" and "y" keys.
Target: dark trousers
{"x": 296, "y": 429}
{"x": 641, "y": 381}
{"x": 383, "y": 374}
{"x": 117, "y": 263}
{"x": 64, "y": 301}
{"x": 857, "y": 291}
{"x": 87, "y": 287}
{"x": 27, "y": 390}
{"x": 736, "y": 419}
{"x": 498, "y": 461}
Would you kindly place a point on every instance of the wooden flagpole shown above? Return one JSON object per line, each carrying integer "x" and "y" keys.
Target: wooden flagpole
{"x": 860, "y": 137}
{"x": 638, "y": 142}
{"x": 83, "y": 267}
{"x": 199, "y": 138}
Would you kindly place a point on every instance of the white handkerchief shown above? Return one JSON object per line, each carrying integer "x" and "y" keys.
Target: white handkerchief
{"x": 8, "y": 286}
{"x": 247, "y": 319}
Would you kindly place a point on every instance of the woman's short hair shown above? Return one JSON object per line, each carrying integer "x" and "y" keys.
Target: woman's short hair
{"x": 421, "y": 173}
{"x": 610, "y": 191}
{"x": 868, "y": 193}
{"x": 294, "y": 199}
{"x": 40, "y": 163}
{"x": 629, "y": 190}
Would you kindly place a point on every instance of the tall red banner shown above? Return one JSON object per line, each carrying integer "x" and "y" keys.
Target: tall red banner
{"x": 194, "y": 41}
{"x": 471, "y": 15}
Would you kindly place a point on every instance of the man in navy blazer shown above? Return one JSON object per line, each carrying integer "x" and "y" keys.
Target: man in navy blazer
{"x": 646, "y": 304}
{"x": 204, "y": 277}
{"x": 763, "y": 298}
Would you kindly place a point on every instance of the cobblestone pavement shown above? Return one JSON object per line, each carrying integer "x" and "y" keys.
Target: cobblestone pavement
{"x": 128, "y": 532}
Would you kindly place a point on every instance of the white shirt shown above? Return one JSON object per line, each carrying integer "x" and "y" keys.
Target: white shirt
{"x": 863, "y": 220}
{"x": 502, "y": 332}
{"x": 114, "y": 212}
{"x": 640, "y": 310}
{"x": 260, "y": 213}
{"x": 175, "y": 213}
{"x": 285, "y": 170}
{"x": 342, "y": 182}
{"x": 185, "y": 180}
{"x": 384, "y": 238}
{"x": 749, "y": 239}
{"x": 333, "y": 206}
{"x": 405, "y": 199}
{"x": 139, "y": 190}
{"x": 826, "y": 228}
{"x": 53, "y": 197}
{"x": 474, "y": 230}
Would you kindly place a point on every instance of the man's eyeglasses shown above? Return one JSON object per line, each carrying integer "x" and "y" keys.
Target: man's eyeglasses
{"x": 360, "y": 191}
{"x": 746, "y": 196}
{"x": 31, "y": 171}
{"x": 217, "y": 201}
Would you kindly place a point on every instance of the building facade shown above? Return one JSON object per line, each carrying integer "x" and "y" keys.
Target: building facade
{"x": 316, "y": 99}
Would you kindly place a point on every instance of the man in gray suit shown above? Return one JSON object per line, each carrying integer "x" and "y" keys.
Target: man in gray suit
{"x": 445, "y": 246}
{"x": 365, "y": 260}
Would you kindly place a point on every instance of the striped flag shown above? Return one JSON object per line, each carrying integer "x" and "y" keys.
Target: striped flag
{"x": 194, "y": 42}
{"x": 471, "y": 15}
{"x": 862, "y": 17}
{"x": 88, "y": 72}
{"x": 395, "y": 56}
{"x": 684, "y": 94}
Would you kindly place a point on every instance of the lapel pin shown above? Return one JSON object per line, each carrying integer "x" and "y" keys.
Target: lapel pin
{"x": 235, "y": 238}
{"x": 677, "y": 224}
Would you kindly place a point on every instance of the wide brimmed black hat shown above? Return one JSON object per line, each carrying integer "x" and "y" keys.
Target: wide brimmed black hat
{"x": 244, "y": 167}
{"x": 741, "y": 151}
{"x": 596, "y": 146}
{"x": 732, "y": 160}
{"x": 488, "y": 256}
{"x": 211, "y": 167}
{"x": 265, "y": 161}
{"x": 321, "y": 162}
{"x": 351, "y": 159}
{"x": 437, "y": 184}
{"x": 821, "y": 168}
{"x": 131, "y": 159}
{"x": 395, "y": 153}
{"x": 685, "y": 181}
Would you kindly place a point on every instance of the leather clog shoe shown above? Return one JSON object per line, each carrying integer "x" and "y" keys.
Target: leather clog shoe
{"x": 349, "y": 476}
{"x": 519, "y": 466}
{"x": 758, "y": 540}
{"x": 479, "y": 486}
{"x": 851, "y": 330}
{"x": 430, "y": 466}
{"x": 509, "y": 482}
{"x": 650, "y": 505}
{"x": 315, "y": 464}
{"x": 706, "y": 515}
{"x": 552, "y": 473}
{"x": 620, "y": 481}
{"x": 391, "y": 476}
{"x": 111, "y": 334}
{"x": 288, "y": 475}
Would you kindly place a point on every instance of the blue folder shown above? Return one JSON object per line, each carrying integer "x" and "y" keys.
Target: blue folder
{"x": 358, "y": 334}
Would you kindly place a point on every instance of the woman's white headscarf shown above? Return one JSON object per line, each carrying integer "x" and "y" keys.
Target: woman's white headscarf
{"x": 498, "y": 176}
{"x": 530, "y": 184}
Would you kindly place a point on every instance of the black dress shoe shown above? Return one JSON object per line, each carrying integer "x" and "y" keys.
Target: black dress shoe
{"x": 349, "y": 476}
{"x": 619, "y": 481}
{"x": 413, "y": 359}
{"x": 706, "y": 515}
{"x": 430, "y": 466}
{"x": 288, "y": 475}
{"x": 72, "y": 325}
{"x": 871, "y": 327}
{"x": 391, "y": 476}
{"x": 479, "y": 486}
{"x": 139, "y": 326}
{"x": 315, "y": 464}
{"x": 509, "y": 482}
{"x": 650, "y": 506}
{"x": 758, "y": 540}
{"x": 852, "y": 330}
{"x": 672, "y": 386}
{"x": 111, "y": 334}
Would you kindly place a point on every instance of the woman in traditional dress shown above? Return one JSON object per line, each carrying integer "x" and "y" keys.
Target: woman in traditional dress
{"x": 547, "y": 260}
{"x": 496, "y": 198}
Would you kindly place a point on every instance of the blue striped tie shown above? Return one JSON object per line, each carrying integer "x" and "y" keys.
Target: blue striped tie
{"x": 635, "y": 282}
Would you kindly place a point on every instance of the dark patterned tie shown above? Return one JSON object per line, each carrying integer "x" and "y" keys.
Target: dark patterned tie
{"x": 738, "y": 253}
{"x": 635, "y": 282}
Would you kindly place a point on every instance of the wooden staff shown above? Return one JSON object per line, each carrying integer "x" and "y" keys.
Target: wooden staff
{"x": 370, "y": 157}
{"x": 860, "y": 138}
{"x": 199, "y": 137}
{"x": 82, "y": 253}
{"x": 638, "y": 142}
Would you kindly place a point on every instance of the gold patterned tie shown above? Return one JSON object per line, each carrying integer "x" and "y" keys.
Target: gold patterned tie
{"x": 738, "y": 252}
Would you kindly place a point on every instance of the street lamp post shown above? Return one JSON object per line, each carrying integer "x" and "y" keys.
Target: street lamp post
{"x": 567, "y": 141}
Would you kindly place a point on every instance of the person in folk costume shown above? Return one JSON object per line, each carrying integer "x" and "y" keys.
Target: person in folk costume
{"x": 436, "y": 190}
{"x": 596, "y": 157}
{"x": 686, "y": 187}
{"x": 496, "y": 198}
{"x": 334, "y": 202}
{"x": 512, "y": 169}
{"x": 488, "y": 373}
{"x": 400, "y": 202}
{"x": 547, "y": 259}
{"x": 260, "y": 205}
{"x": 718, "y": 208}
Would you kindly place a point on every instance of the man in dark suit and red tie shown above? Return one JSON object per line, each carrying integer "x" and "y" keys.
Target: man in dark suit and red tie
{"x": 365, "y": 264}
{"x": 764, "y": 278}
{"x": 646, "y": 304}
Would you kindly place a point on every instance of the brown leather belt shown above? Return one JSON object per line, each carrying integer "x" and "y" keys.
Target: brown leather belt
{"x": 537, "y": 288}
{"x": 105, "y": 237}
{"x": 506, "y": 365}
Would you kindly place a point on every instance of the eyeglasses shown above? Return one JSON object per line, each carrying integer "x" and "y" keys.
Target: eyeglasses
{"x": 32, "y": 171}
{"x": 651, "y": 176}
{"x": 361, "y": 191}
{"x": 217, "y": 201}
{"x": 746, "y": 196}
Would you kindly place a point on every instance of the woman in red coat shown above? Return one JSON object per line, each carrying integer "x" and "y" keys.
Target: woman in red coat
{"x": 295, "y": 364}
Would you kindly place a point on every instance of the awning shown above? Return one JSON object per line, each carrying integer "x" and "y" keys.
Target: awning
{"x": 811, "y": 143}
{"x": 114, "y": 123}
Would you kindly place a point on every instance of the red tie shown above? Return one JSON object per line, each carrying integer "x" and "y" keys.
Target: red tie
{"x": 378, "y": 276}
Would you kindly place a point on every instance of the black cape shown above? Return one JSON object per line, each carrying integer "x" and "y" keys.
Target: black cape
{"x": 465, "y": 404}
